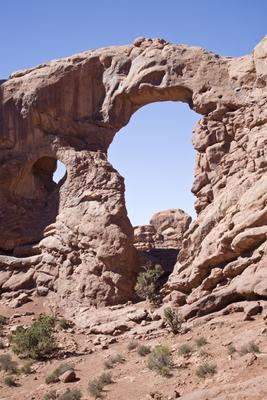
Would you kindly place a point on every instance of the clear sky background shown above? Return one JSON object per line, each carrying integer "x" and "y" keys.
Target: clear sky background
{"x": 154, "y": 152}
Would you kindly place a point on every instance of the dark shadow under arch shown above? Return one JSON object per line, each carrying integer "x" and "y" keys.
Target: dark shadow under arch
{"x": 34, "y": 207}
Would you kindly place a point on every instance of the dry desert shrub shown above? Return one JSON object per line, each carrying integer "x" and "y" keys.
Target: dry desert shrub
{"x": 71, "y": 394}
{"x": 143, "y": 350}
{"x": 185, "y": 349}
{"x": 10, "y": 381}
{"x": 206, "y": 369}
{"x": 251, "y": 347}
{"x": 113, "y": 360}
{"x": 132, "y": 345}
{"x": 96, "y": 386}
{"x": 173, "y": 319}
{"x": 201, "y": 341}
{"x": 160, "y": 360}
{"x": 7, "y": 364}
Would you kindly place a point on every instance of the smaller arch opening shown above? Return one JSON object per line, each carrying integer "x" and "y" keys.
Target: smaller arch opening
{"x": 43, "y": 171}
{"x": 60, "y": 172}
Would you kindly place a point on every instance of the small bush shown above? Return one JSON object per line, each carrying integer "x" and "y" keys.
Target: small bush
{"x": 51, "y": 395}
{"x": 10, "y": 381}
{"x": 7, "y": 364}
{"x": 143, "y": 350}
{"x": 173, "y": 319}
{"x": 185, "y": 349}
{"x": 147, "y": 283}
{"x": 71, "y": 394}
{"x": 108, "y": 363}
{"x": 113, "y": 360}
{"x": 206, "y": 369}
{"x": 2, "y": 346}
{"x": 54, "y": 376}
{"x": 118, "y": 359}
{"x": 35, "y": 341}
{"x": 26, "y": 367}
{"x": 251, "y": 347}
{"x": 201, "y": 341}
{"x": 95, "y": 388}
{"x": 132, "y": 345}
{"x": 160, "y": 360}
{"x": 231, "y": 349}
{"x": 105, "y": 379}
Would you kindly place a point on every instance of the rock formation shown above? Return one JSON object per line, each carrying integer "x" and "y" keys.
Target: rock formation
{"x": 159, "y": 242}
{"x": 75, "y": 239}
{"x": 165, "y": 230}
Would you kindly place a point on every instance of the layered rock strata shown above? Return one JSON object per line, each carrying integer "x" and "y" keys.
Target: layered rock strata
{"x": 75, "y": 239}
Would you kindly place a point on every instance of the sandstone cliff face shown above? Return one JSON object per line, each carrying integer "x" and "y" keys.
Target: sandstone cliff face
{"x": 75, "y": 238}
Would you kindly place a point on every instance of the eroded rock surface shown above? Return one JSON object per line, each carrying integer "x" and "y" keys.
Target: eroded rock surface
{"x": 75, "y": 239}
{"x": 164, "y": 231}
{"x": 159, "y": 242}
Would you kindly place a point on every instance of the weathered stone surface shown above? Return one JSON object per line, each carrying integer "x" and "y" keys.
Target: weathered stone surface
{"x": 165, "y": 230}
{"x": 68, "y": 376}
{"x": 70, "y": 110}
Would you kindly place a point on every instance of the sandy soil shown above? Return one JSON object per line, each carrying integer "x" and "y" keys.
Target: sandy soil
{"x": 237, "y": 377}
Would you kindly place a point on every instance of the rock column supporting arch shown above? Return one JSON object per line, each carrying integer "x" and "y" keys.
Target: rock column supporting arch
{"x": 72, "y": 108}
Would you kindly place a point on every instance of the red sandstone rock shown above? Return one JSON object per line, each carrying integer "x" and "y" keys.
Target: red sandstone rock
{"x": 78, "y": 232}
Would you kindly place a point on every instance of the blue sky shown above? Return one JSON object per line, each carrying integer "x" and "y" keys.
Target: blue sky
{"x": 154, "y": 152}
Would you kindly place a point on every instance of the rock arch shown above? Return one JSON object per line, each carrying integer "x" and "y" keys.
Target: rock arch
{"x": 73, "y": 107}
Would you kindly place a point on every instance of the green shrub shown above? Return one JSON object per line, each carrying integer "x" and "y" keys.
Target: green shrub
{"x": 132, "y": 345}
{"x": 185, "y": 349}
{"x": 71, "y": 394}
{"x": 201, "y": 341}
{"x": 173, "y": 319}
{"x": 143, "y": 350}
{"x": 251, "y": 347}
{"x": 160, "y": 360}
{"x": 95, "y": 388}
{"x": 51, "y": 395}
{"x": 206, "y": 369}
{"x": 7, "y": 364}
{"x": 54, "y": 376}
{"x": 147, "y": 283}
{"x": 35, "y": 341}
{"x": 231, "y": 349}
{"x": 10, "y": 381}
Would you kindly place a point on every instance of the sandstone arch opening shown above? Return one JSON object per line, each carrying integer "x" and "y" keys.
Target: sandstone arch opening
{"x": 60, "y": 172}
{"x": 36, "y": 193}
{"x": 155, "y": 155}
